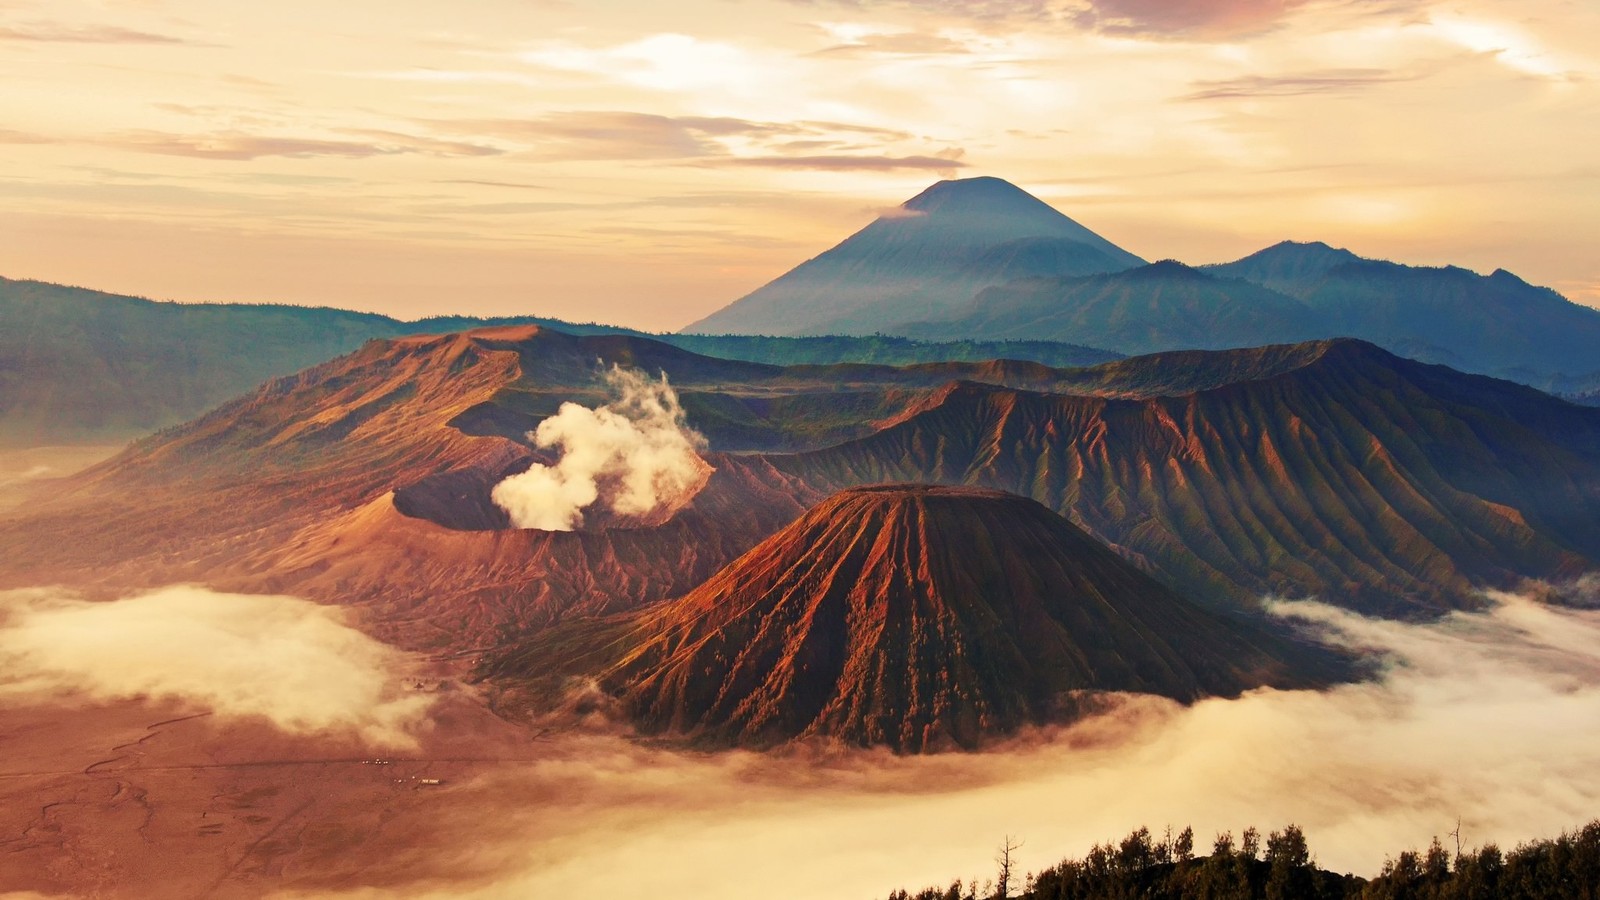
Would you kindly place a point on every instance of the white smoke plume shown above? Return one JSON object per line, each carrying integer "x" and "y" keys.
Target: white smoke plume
{"x": 634, "y": 456}
{"x": 286, "y": 660}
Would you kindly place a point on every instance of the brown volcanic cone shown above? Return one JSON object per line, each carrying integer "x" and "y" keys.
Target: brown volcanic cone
{"x": 920, "y": 617}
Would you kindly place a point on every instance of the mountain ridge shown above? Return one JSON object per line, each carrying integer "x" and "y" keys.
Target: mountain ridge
{"x": 80, "y": 365}
{"x": 968, "y": 282}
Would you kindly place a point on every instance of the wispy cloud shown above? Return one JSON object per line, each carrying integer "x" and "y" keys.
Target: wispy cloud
{"x": 413, "y": 143}
{"x": 1158, "y": 19}
{"x": 888, "y": 134}
{"x": 53, "y": 33}
{"x": 902, "y": 43}
{"x": 848, "y": 163}
{"x": 623, "y": 135}
{"x": 1327, "y": 81}
{"x": 974, "y": 9}
{"x": 513, "y": 185}
{"x": 609, "y": 135}
{"x": 243, "y": 146}
{"x": 1186, "y": 19}
{"x": 1509, "y": 45}
{"x": 665, "y": 63}
{"x": 11, "y": 136}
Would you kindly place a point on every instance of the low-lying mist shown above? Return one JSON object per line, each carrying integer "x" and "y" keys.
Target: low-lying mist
{"x": 237, "y": 655}
{"x": 1488, "y": 718}
{"x": 632, "y": 456}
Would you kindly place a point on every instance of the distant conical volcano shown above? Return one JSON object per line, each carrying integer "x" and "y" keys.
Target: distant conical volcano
{"x": 926, "y": 258}
{"x": 923, "y": 617}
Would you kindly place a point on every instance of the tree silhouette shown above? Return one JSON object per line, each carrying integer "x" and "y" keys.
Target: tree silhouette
{"x": 1002, "y": 885}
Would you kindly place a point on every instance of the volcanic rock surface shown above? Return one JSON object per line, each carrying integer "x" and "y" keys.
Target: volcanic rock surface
{"x": 919, "y": 617}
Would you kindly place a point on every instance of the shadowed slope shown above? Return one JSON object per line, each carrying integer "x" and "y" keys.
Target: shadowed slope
{"x": 921, "y": 618}
{"x": 1372, "y": 480}
{"x": 1162, "y": 306}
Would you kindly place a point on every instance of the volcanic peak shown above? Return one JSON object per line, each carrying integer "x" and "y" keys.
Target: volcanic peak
{"x": 920, "y": 617}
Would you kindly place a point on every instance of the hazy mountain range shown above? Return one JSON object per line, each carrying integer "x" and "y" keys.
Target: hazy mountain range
{"x": 942, "y": 265}
{"x": 82, "y": 365}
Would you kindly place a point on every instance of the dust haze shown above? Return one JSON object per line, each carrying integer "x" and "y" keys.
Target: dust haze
{"x": 1486, "y": 717}
{"x": 633, "y": 456}
{"x": 286, "y": 660}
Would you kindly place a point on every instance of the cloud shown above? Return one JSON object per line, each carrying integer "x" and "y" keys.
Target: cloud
{"x": 1203, "y": 19}
{"x": 51, "y": 33}
{"x": 1581, "y": 593}
{"x": 616, "y": 135}
{"x": 899, "y": 43}
{"x": 897, "y": 212}
{"x": 479, "y": 182}
{"x": 1486, "y": 716}
{"x": 1325, "y": 81}
{"x": 690, "y": 238}
{"x": 849, "y": 163}
{"x": 1187, "y": 18}
{"x": 887, "y": 134}
{"x": 1509, "y": 45}
{"x": 412, "y": 143}
{"x": 635, "y": 457}
{"x": 623, "y": 135}
{"x": 10, "y": 136}
{"x": 234, "y": 145}
{"x": 1489, "y": 717}
{"x": 984, "y": 10}
{"x": 665, "y": 62}
{"x": 285, "y": 660}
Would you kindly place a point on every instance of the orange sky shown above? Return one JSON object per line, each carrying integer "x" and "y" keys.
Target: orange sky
{"x": 646, "y": 163}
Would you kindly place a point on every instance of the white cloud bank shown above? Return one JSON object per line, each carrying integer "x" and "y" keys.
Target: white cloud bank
{"x": 286, "y": 660}
{"x": 635, "y": 456}
{"x": 1488, "y": 717}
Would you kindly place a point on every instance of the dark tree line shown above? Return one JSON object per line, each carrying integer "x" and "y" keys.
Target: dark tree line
{"x": 1283, "y": 868}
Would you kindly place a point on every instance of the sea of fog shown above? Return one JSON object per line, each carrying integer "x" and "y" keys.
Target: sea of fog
{"x": 1486, "y": 719}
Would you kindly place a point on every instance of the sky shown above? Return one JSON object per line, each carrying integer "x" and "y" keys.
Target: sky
{"x": 645, "y": 163}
